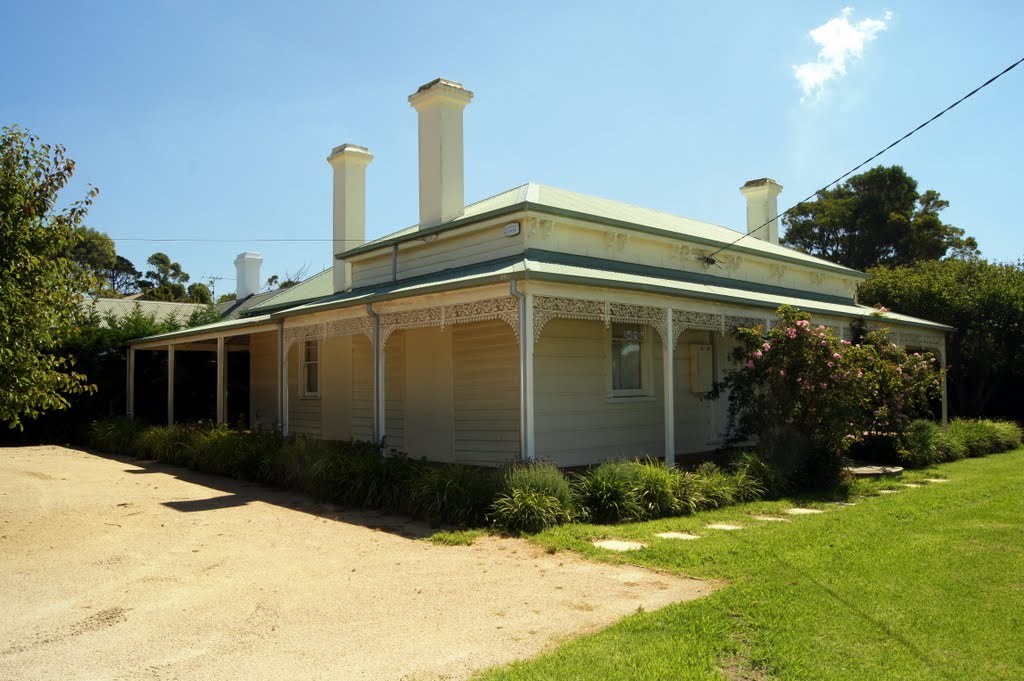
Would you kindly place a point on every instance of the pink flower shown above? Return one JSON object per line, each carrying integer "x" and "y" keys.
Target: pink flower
{"x": 791, "y": 332}
{"x": 782, "y": 372}
{"x": 767, "y": 347}
{"x": 837, "y": 356}
{"x": 844, "y": 342}
{"x": 823, "y": 343}
{"x": 860, "y": 374}
{"x": 757, "y": 354}
{"x": 750, "y": 364}
{"x": 803, "y": 323}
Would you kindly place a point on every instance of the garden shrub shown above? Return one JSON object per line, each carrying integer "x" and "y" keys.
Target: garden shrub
{"x": 522, "y": 509}
{"x": 116, "y": 435}
{"x": 606, "y": 494}
{"x": 532, "y": 497}
{"x": 453, "y": 493}
{"x": 656, "y": 489}
{"x": 752, "y": 479}
{"x": 807, "y": 396}
{"x": 1008, "y": 435}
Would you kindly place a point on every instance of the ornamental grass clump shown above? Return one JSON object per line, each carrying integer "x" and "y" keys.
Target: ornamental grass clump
{"x": 533, "y": 497}
{"x": 607, "y": 494}
{"x": 806, "y": 395}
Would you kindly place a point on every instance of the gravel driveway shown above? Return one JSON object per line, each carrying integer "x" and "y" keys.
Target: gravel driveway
{"x": 120, "y": 569}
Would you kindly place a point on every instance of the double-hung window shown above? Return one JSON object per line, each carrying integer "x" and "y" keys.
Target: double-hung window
{"x": 311, "y": 368}
{"x": 628, "y": 360}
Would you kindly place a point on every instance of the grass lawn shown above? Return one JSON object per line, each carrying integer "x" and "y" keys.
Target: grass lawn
{"x": 927, "y": 583}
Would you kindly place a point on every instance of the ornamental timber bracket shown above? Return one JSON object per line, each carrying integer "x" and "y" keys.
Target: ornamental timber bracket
{"x": 505, "y": 309}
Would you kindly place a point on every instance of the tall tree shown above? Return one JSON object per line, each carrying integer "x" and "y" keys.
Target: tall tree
{"x": 122, "y": 277}
{"x": 94, "y": 253}
{"x": 984, "y": 302}
{"x": 40, "y": 284}
{"x": 166, "y": 281}
{"x": 876, "y": 218}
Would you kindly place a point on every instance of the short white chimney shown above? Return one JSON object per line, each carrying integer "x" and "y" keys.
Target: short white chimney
{"x": 349, "y": 162}
{"x": 762, "y": 206}
{"x": 439, "y": 104}
{"x": 247, "y": 274}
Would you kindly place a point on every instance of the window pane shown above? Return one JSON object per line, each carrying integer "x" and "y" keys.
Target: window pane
{"x": 312, "y": 384}
{"x": 627, "y": 357}
{"x": 311, "y": 348}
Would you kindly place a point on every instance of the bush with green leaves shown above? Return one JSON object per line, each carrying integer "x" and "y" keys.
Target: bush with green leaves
{"x": 456, "y": 494}
{"x": 806, "y": 395}
{"x": 606, "y": 494}
{"x": 533, "y": 497}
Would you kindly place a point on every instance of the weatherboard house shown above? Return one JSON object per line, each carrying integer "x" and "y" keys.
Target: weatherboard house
{"x": 538, "y": 323}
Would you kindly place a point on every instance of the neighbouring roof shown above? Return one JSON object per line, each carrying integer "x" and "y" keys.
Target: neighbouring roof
{"x": 317, "y": 286}
{"x": 561, "y": 202}
{"x": 122, "y": 307}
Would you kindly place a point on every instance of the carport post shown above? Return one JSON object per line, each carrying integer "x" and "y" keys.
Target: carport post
{"x": 170, "y": 384}
{"x": 668, "y": 370}
{"x": 221, "y": 383}
{"x": 130, "y": 396}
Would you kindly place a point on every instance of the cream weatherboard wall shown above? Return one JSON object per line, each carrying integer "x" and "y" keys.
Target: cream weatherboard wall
{"x": 577, "y": 420}
{"x": 336, "y": 393}
{"x": 430, "y": 416}
{"x": 304, "y": 417}
{"x": 485, "y": 369}
{"x": 263, "y": 392}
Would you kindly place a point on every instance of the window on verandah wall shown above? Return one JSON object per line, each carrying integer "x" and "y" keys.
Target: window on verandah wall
{"x": 311, "y": 369}
{"x": 627, "y": 359}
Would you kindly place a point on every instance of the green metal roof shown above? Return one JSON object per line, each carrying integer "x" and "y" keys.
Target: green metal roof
{"x": 561, "y": 202}
{"x": 317, "y": 286}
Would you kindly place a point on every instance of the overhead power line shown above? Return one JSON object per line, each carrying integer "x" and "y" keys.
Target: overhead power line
{"x": 710, "y": 259}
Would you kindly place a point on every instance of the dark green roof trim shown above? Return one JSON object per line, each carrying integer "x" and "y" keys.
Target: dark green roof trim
{"x": 527, "y": 206}
{"x": 619, "y": 266}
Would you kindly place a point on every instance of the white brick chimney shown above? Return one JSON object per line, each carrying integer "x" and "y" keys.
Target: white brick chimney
{"x": 247, "y": 274}
{"x": 762, "y": 205}
{"x": 349, "y": 162}
{"x": 439, "y": 104}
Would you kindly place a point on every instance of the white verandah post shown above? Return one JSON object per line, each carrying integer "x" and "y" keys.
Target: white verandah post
{"x": 282, "y": 381}
{"x": 526, "y": 342}
{"x": 668, "y": 370}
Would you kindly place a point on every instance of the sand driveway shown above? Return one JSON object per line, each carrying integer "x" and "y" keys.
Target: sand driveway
{"x": 117, "y": 569}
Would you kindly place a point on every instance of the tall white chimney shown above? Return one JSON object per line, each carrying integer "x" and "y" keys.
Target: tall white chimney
{"x": 247, "y": 274}
{"x": 762, "y": 206}
{"x": 439, "y": 104}
{"x": 349, "y": 162}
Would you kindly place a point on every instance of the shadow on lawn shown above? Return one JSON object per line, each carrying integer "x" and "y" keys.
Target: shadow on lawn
{"x": 237, "y": 493}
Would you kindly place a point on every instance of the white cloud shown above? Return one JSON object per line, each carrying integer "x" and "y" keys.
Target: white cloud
{"x": 839, "y": 42}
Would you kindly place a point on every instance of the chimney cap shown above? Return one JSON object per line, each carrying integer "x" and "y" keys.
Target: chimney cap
{"x": 762, "y": 182}
{"x": 352, "y": 151}
{"x": 248, "y": 255}
{"x": 441, "y": 88}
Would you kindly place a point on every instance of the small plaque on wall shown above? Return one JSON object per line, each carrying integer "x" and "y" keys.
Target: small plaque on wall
{"x": 511, "y": 229}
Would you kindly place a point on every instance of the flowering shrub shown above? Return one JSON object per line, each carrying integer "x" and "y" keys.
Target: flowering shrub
{"x": 807, "y": 395}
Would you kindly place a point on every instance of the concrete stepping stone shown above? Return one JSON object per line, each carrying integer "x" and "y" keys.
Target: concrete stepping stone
{"x": 770, "y": 518}
{"x": 724, "y": 526}
{"x": 677, "y": 535}
{"x": 843, "y": 504}
{"x": 912, "y": 485}
{"x": 875, "y": 471}
{"x": 804, "y": 511}
{"x": 888, "y": 491}
{"x": 618, "y": 545}
{"x": 940, "y": 480}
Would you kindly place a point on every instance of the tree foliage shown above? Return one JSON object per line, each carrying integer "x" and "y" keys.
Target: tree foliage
{"x": 876, "y": 218}
{"x": 984, "y": 302}
{"x": 807, "y": 395}
{"x": 166, "y": 282}
{"x": 40, "y": 283}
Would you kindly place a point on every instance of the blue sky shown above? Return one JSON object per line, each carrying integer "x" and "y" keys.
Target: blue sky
{"x": 212, "y": 120}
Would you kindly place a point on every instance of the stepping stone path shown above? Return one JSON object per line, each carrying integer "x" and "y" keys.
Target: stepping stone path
{"x": 677, "y": 535}
{"x": 936, "y": 480}
{"x": 887, "y": 491}
{"x": 723, "y": 526}
{"x": 843, "y": 503}
{"x": 875, "y": 471}
{"x": 803, "y": 511}
{"x": 911, "y": 485}
{"x": 617, "y": 545}
{"x": 770, "y": 518}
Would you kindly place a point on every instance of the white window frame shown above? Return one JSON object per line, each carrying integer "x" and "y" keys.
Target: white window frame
{"x": 305, "y": 364}
{"x": 646, "y": 383}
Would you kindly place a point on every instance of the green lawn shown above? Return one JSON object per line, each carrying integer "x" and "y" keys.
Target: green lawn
{"x": 927, "y": 583}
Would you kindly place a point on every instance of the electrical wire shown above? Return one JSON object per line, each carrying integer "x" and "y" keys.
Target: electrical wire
{"x": 710, "y": 259}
